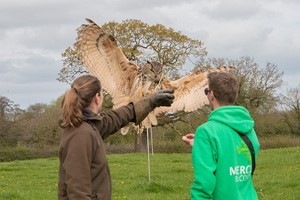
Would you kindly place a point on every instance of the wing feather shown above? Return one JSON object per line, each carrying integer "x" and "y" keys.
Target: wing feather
{"x": 189, "y": 92}
{"x": 102, "y": 57}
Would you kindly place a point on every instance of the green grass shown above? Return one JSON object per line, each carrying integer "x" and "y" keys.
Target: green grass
{"x": 277, "y": 176}
{"x": 170, "y": 178}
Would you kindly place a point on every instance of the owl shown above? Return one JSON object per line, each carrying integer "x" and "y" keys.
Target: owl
{"x": 127, "y": 82}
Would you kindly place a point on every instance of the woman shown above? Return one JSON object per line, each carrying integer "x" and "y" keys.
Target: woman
{"x": 83, "y": 169}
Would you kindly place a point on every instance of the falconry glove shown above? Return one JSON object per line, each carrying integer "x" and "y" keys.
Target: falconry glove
{"x": 162, "y": 98}
{"x": 147, "y": 104}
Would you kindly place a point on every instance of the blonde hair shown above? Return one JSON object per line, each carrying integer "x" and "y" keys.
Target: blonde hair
{"x": 77, "y": 98}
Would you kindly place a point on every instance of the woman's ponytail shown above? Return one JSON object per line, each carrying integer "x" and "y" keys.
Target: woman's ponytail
{"x": 77, "y": 98}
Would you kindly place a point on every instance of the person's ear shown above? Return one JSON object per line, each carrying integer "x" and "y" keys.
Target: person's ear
{"x": 211, "y": 96}
{"x": 97, "y": 98}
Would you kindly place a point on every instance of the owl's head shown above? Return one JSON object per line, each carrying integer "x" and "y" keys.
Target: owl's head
{"x": 152, "y": 71}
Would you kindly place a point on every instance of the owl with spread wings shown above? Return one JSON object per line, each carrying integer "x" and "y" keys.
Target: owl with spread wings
{"x": 126, "y": 82}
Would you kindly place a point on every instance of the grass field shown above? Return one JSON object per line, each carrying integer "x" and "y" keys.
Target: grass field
{"x": 277, "y": 176}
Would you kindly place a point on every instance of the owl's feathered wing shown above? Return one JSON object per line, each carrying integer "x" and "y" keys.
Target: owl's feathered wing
{"x": 103, "y": 58}
{"x": 189, "y": 92}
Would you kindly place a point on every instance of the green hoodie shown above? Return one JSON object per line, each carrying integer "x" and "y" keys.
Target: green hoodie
{"x": 222, "y": 161}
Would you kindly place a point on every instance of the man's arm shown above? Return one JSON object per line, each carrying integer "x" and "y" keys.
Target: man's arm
{"x": 204, "y": 163}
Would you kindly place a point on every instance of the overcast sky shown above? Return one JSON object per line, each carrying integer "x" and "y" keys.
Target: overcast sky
{"x": 34, "y": 34}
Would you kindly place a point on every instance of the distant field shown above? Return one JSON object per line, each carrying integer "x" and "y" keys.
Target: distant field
{"x": 277, "y": 176}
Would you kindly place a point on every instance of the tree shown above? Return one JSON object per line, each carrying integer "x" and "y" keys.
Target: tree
{"x": 257, "y": 85}
{"x": 72, "y": 66}
{"x": 9, "y": 113}
{"x": 30, "y": 119}
{"x": 8, "y": 110}
{"x": 291, "y": 114}
{"x": 258, "y": 88}
{"x": 141, "y": 42}
{"x": 36, "y": 110}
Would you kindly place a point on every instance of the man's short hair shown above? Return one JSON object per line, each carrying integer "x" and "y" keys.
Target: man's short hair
{"x": 224, "y": 86}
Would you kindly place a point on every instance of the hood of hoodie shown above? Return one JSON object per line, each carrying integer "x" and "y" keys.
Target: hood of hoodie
{"x": 236, "y": 117}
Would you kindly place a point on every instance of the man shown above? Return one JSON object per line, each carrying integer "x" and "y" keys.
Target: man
{"x": 221, "y": 159}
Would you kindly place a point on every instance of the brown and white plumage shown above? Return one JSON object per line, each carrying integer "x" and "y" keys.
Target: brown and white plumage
{"x": 127, "y": 82}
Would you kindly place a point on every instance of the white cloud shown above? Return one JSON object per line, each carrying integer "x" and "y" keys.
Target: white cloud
{"x": 233, "y": 9}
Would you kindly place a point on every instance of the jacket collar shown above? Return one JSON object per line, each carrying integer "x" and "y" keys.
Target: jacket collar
{"x": 89, "y": 115}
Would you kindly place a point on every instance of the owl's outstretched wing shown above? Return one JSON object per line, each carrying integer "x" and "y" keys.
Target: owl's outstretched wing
{"x": 102, "y": 57}
{"x": 189, "y": 92}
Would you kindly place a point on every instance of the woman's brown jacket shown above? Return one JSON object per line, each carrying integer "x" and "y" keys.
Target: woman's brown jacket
{"x": 83, "y": 170}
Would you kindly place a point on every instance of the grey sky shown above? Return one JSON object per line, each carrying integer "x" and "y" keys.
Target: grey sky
{"x": 34, "y": 33}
